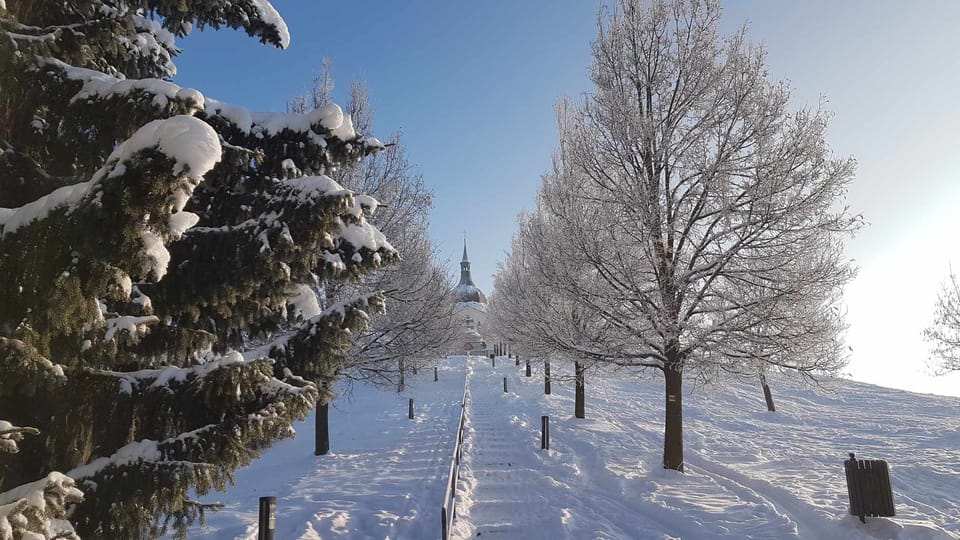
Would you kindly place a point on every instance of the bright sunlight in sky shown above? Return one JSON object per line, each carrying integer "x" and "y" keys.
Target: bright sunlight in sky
{"x": 472, "y": 86}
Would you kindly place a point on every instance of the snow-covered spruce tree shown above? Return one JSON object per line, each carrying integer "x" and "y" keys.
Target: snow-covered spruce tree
{"x": 418, "y": 324}
{"x": 151, "y": 239}
{"x": 944, "y": 334}
{"x": 707, "y": 213}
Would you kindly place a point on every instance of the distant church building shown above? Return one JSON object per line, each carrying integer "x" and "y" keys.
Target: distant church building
{"x": 471, "y": 309}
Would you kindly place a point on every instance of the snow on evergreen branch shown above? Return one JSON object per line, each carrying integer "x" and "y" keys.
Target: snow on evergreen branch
{"x": 328, "y": 121}
{"x": 191, "y": 143}
{"x": 37, "y": 510}
{"x": 10, "y": 435}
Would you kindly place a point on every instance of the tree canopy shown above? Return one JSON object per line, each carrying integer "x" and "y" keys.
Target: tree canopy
{"x": 692, "y": 222}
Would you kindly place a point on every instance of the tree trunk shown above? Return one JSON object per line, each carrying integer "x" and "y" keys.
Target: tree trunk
{"x": 767, "y": 395}
{"x": 579, "y": 406}
{"x": 400, "y": 383}
{"x": 546, "y": 377}
{"x": 673, "y": 418}
{"x": 322, "y": 438}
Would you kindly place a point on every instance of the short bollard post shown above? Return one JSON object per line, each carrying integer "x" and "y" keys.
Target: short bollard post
{"x": 410, "y": 412}
{"x": 268, "y": 518}
{"x": 435, "y": 379}
{"x": 528, "y": 367}
{"x": 518, "y": 360}
{"x": 504, "y": 385}
{"x": 546, "y": 377}
{"x": 544, "y": 432}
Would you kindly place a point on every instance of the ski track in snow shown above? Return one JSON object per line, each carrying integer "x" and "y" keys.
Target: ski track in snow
{"x": 750, "y": 474}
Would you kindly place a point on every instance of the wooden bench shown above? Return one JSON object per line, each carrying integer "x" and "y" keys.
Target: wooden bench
{"x": 868, "y": 486}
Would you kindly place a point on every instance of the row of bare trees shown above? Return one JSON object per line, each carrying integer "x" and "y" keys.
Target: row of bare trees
{"x": 692, "y": 222}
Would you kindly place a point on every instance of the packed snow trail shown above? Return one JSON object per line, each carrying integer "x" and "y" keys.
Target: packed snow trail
{"x": 384, "y": 477}
{"x": 750, "y": 474}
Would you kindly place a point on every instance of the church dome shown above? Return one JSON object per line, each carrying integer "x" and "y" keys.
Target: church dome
{"x": 468, "y": 293}
{"x": 465, "y": 291}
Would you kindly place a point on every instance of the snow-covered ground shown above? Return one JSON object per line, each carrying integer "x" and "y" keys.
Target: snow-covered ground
{"x": 750, "y": 473}
{"x": 384, "y": 477}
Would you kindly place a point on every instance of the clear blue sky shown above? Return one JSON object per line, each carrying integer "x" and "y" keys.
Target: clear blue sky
{"x": 473, "y": 84}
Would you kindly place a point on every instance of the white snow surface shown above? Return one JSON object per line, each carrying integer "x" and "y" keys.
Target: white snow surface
{"x": 749, "y": 473}
{"x": 384, "y": 477}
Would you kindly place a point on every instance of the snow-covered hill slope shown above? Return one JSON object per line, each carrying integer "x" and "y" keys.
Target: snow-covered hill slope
{"x": 750, "y": 473}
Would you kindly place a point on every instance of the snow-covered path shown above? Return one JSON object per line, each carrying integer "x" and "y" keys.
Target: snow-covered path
{"x": 750, "y": 474}
{"x": 384, "y": 477}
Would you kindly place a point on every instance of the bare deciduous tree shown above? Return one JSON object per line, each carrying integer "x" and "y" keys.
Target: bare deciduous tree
{"x": 944, "y": 334}
{"x": 418, "y": 325}
{"x": 693, "y": 218}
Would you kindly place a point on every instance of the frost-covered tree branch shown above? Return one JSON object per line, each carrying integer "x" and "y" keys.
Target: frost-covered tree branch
{"x": 417, "y": 325}
{"x": 944, "y": 334}
{"x": 691, "y": 211}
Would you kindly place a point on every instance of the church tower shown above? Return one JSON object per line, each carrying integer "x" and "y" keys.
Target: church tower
{"x": 471, "y": 309}
{"x": 466, "y": 290}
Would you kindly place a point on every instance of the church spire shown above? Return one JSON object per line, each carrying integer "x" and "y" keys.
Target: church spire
{"x": 465, "y": 278}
